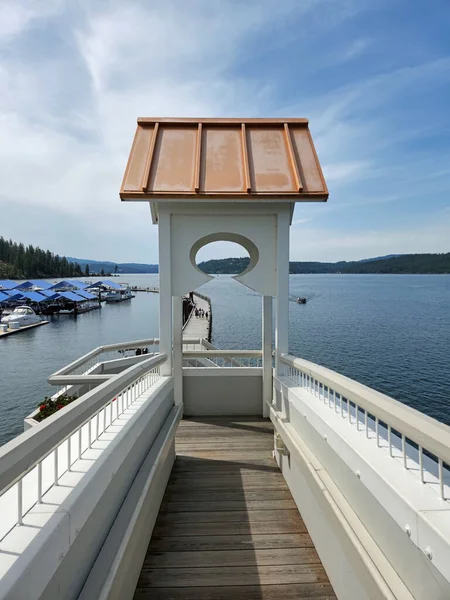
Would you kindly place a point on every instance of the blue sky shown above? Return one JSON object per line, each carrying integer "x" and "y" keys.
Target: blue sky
{"x": 373, "y": 77}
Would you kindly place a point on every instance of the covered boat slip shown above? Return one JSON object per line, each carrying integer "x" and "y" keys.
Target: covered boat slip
{"x": 228, "y": 527}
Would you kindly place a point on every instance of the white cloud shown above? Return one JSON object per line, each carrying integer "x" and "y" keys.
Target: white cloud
{"x": 68, "y": 116}
{"x": 15, "y": 18}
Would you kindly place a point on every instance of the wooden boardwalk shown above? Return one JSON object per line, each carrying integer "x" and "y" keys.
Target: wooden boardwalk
{"x": 228, "y": 528}
{"x": 197, "y": 327}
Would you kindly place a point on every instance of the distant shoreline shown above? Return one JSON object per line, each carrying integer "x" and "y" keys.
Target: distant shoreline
{"x": 405, "y": 264}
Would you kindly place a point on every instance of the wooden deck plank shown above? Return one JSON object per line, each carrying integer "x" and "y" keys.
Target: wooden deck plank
{"x": 247, "y": 575}
{"x": 235, "y": 558}
{"x": 255, "y": 516}
{"x": 238, "y": 455}
{"x": 186, "y": 464}
{"x": 303, "y": 591}
{"x": 198, "y": 495}
{"x": 196, "y": 543}
{"x": 242, "y": 528}
{"x": 267, "y": 481}
{"x": 228, "y": 517}
{"x": 238, "y": 505}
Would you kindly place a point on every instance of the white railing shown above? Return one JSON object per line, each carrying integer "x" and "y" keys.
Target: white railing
{"x": 422, "y": 443}
{"x": 86, "y": 363}
{"x": 40, "y": 456}
{"x": 222, "y": 358}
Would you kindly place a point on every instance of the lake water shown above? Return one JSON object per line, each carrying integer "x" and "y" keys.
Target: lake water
{"x": 391, "y": 332}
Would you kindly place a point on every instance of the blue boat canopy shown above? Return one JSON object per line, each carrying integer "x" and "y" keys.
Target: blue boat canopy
{"x": 80, "y": 285}
{"x": 32, "y": 283}
{"x": 4, "y": 297}
{"x": 7, "y": 284}
{"x": 49, "y": 294}
{"x": 34, "y": 296}
{"x": 72, "y": 296}
{"x": 68, "y": 283}
{"x": 13, "y": 294}
{"x": 107, "y": 284}
{"x": 86, "y": 295}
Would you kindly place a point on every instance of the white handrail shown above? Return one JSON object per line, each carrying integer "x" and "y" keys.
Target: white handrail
{"x": 339, "y": 391}
{"x": 24, "y": 452}
{"x": 102, "y": 349}
{"x": 222, "y": 353}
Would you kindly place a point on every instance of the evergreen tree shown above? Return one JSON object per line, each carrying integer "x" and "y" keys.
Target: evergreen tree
{"x": 18, "y": 262}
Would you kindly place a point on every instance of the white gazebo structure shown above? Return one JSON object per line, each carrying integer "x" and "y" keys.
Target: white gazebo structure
{"x": 230, "y": 180}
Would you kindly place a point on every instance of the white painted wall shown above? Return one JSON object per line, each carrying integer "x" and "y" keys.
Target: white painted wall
{"x": 117, "y": 568}
{"x": 217, "y": 392}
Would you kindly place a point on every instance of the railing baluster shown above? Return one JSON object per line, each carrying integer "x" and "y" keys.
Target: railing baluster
{"x": 80, "y": 442}
{"x": 422, "y": 479}
{"x": 55, "y": 465}
{"x": 357, "y": 417}
{"x": 404, "y": 450}
{"x": 69, "y": 455}
{"x": 39, "y": 482}
{"x": 90, "y": 433}
{"x": 390, "y": 439}
{"x": 377, "y": 429}
{"x": 20, "y": 502}
{"x": 441, "y": 477}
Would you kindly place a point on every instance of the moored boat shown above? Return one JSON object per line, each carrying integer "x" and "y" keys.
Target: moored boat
{"x": 23, "y": 315}
{"x": 119, "y": 295}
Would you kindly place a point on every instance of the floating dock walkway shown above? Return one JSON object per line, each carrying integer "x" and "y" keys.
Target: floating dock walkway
{"x": 198, "y": 327}
{"x": 228, "y": 527}
{"x": 26, "y": 328}
{"x": 137, "y": 288}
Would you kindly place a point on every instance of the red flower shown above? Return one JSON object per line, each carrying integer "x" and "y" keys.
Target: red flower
{"x": 114, "y": 399}
{"x": 59, "y": 406}
{"x": 42, "y": 407}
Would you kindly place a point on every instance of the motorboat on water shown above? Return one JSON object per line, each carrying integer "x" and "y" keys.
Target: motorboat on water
{"x": 301, "y": 300}
{"x": 24, "y": 315}
{"x": 119, "y": 295}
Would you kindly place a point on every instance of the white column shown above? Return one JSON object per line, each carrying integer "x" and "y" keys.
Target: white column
{"x": 165, "y": 292}
{"x": 282, "y": 300}
{"x": 267, "y": 353}
{"x": 177, "y": 308}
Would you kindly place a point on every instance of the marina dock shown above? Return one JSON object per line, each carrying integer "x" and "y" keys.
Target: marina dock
{"x": 151, "y": 290}
{"x": 199, "y": 327}
{"x": 26, "y": 328}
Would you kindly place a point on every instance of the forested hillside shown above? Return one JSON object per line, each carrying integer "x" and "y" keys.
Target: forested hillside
{"x": 18, "y": 261}
{"x": 112, "y": 267}
{"x": 405, "y": 263}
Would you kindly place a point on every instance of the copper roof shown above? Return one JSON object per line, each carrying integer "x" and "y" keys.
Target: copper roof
{"x": 223, "y": 158}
